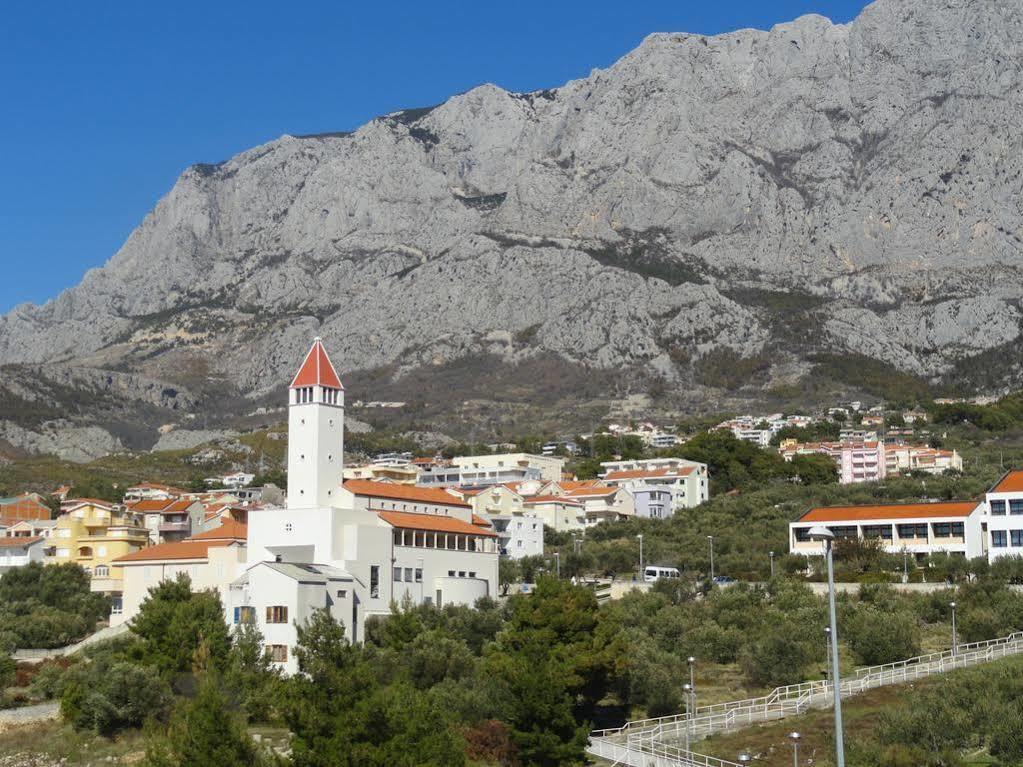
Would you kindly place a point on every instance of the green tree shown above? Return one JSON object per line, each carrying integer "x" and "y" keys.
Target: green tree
{"x": 204, "y": 731}
{"x": 173, "y": 621}
{"x": 341, "y": 713}
{"x": 778, "y": 656}
{"x": 882, "y": 637}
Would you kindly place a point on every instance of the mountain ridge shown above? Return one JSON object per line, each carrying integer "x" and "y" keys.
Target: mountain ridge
{"x": 635, "y": 219}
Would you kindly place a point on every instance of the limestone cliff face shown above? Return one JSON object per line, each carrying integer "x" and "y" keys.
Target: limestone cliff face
{"x": 875, "y": 165}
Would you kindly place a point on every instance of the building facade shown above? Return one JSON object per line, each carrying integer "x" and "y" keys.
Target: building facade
{"x": 919, "y": 529}
{"x": 688, "y": 481}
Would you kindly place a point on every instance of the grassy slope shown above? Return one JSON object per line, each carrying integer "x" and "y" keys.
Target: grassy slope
{"x": 770, "y": 746}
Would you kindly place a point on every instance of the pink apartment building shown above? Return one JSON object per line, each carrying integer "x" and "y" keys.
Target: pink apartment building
{"x": 857, "y": 461}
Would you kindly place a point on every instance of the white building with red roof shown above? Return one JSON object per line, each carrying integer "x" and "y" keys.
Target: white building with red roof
{"x": 686, "y": 482}
{"x": 1004, "y": 516}
{"x": 211, "y": 560}
{"x": 354, "y": 548}
{"x": 17, "y": 551}
{"x": 919, "y": 529}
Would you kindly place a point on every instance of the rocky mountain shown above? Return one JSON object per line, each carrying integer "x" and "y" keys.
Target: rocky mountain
{"x": 816, "y": 188}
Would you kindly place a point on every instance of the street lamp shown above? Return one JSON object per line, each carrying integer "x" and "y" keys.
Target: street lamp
{"x": 640, "y": 537}
{"x": 905, "y": 565}
{"x": 710, "y": 538}
{"x": 827, "y": 643}
{"x": 557, "y": 562}
{"x": 687, "y": 693}
{"x": 771, "y": 555}
{"x": 692, "y": 677}
{"x": 794, "y": 737}
{"x": 955, "y": 639}
{"x": 821, "y": 533}
{"x": 744, "y": 757}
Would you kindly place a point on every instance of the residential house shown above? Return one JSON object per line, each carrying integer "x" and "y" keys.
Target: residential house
{"x": 906, "y": 458}
{"x": 169, "y": 519}
{"x": 211, "y": 560}
{"x": 32, "y": 528}
{"x": 556, "y": 511}
{"x": 687, "y": 481}
{"x": 603, "y": 503}
{"x": 17, "y": 551}
{"x": 919, "y": 529}
{"x": 20, "y": 507}
{"x": 93, "y": 534}
{"x": 856, "y": 461}
{"x": 481, "y": 470}
{"x": 519, "y": 532}
{"x": 152, "y": 491}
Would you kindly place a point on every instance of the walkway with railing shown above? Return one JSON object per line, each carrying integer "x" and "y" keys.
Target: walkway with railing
{"x": 655, "y": 742}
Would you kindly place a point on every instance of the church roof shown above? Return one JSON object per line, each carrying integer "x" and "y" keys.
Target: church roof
{"x": 317, "y": 369}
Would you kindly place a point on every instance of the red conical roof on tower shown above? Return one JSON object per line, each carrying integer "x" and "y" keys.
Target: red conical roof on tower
{"x": 317, "y": 369}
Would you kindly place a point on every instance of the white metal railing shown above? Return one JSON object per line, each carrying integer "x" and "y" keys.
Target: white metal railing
{"x": 652, "y": 737}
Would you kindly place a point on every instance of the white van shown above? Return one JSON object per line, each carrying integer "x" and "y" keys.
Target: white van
{"x": 653, "y": 572}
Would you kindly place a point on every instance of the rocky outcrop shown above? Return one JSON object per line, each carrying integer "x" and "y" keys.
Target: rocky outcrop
{"x": 872, "y": 168}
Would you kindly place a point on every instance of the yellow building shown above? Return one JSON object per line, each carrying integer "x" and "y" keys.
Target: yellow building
{"x": 401, "y": 474}
{"x": 93, "y": 533}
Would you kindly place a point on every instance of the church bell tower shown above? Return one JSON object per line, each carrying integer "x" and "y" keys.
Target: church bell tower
{"x": 316, "y": 432}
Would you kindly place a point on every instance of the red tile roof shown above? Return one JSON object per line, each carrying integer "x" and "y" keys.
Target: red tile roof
{"x": 889, "y": 511}
{"x": 150, "y": 506}
{"x": 398, "y": 492}
{"x": 10, "y": 541}
{"x": 550, "y": 499}
{"x": 317, "y": 369}
{"x": 432, "y": 522}
{"x": 187, "y": 549}
{"x": 1012, "y": 482}
{"x": 229, "y": 530}
{"x": 591, "y": 492}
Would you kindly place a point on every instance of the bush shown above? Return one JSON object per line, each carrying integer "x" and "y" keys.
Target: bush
{"x": 776, "y": 658}
{"x": 108, "y": 698}
{"x": 881, "y": 637}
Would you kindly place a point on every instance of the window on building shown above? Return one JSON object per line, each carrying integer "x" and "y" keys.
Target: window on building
{"x": 245, "y": 614}
{"x": 101, "y": 571}
{"x": 397, "y": 573}
{"x": 1016, "y": 537}
{"x": 472, "y": 575}
{"x": 278, "y": 652}
{"x": 998, "y": 539}
{"x": 958, "y": 529}
{"x": 461, "y": 573}
{"x": 1016, "y": 505}
{"x": 802, "y": 534}
{"x": 997, "y": 508}
{"x": 451, "y": 573}
{"x": 116, "y": 605}
{"x": 913, "y": 531}
{"x": 277, "y": 614}
{"x": 878, "y": 531}
{"x": 408, "y": 575}
{"x": 942, "y": 529}
{"x": 419, "y": 575}
{"x": 374, "y": 581}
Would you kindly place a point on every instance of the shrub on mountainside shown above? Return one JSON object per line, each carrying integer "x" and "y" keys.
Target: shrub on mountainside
{"x": 108, "y": 695}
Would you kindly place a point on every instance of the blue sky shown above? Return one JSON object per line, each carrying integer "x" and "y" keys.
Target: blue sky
{"x": 103, "y": 104}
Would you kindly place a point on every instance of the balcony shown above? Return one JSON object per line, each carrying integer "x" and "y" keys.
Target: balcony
{"x": 175, "y": 527}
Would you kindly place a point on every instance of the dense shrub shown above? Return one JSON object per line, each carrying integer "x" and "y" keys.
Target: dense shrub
{"x": 47, "y": 606}
{"x": 106, "y": 697}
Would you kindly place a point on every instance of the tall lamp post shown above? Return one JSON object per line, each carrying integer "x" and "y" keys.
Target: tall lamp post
{"x": 640, "y": 537}
{"x": 827, "y": 643}
{"x": 710, "y": 539}
{"x": 692, "y": 677}
{"x": 821, "y": 533}
{"x": 955, "y": 638}
{"x": 687, "y": 692}
{"x": 794, "y": 737}
{"x": 771, "y": 555}
{"x": 557, "y": 562}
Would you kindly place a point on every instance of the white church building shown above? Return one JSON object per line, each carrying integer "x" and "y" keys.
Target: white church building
{"x": 354, "y": 548}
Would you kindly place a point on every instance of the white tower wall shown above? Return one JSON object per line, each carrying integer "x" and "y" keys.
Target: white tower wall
{"x": 316, "y": 418}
